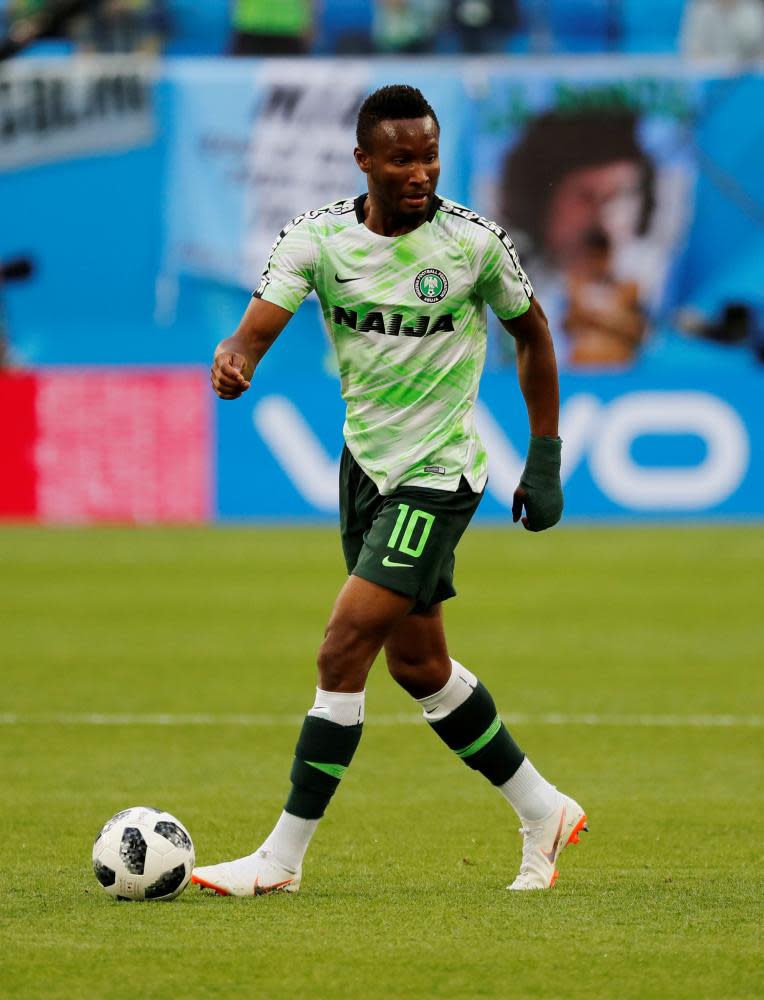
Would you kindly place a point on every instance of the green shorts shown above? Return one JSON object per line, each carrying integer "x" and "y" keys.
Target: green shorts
{"x": 405, "y": 540}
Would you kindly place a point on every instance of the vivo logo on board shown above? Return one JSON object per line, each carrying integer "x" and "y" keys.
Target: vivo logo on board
{"x": 598, "y": 433}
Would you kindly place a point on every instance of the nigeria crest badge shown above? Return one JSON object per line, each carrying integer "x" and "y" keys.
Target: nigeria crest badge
{"x": 431, "y": 285}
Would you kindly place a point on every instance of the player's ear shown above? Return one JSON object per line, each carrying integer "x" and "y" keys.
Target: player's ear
{"x": 363, "y": 159}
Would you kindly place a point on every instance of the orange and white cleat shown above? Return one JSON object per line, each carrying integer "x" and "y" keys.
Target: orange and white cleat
{"x": 256, "y": 875}
{"x": 543, "y": 843}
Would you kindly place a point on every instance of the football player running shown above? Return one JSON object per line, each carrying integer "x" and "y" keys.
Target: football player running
{"x": 403, "y": 278}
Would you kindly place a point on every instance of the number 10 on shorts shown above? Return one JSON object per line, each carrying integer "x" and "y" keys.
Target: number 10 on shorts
{"x": 407, "y": 522}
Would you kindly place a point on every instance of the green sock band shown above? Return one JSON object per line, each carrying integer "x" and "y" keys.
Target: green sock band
{"x": 475, "y": 733}
{"x": 481, "y": 741}
{"x": 323, "y": 753}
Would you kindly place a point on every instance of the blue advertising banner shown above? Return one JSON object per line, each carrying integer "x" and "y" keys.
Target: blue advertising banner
{"x": 672, "y": 447}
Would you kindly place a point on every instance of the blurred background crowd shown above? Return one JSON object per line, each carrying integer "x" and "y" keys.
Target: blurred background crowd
{"x": 721, "y": 28}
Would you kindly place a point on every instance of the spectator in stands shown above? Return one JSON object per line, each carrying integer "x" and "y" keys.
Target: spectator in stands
{"x": 121, "y": 26}
{"x": 112, "y": 26}
{"x": 271, "y": 27}
{"x": 725, "y": 28}
{"x": 604, "y": 322}
{"x": 19, "y": 10}
{"x": 408, "y": 26}
{"x": 483, "y": 25}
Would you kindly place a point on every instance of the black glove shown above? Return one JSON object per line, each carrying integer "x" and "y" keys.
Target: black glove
{"x": 540, "y": 489}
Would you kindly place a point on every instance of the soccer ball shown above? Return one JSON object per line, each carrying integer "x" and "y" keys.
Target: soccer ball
{"x": 143, "y": 853}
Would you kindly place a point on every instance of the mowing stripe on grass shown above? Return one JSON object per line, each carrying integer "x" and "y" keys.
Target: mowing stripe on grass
{"x": 510, "y": 718}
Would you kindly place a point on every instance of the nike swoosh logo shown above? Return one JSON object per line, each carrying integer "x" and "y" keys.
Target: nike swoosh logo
{"x": 387, "y": 561}
{"x": 264, "y": 890}
{"x": 550, "y": 855}
{"x": 343, "y": 281}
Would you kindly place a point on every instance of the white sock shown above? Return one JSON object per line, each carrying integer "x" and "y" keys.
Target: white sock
{"x": 454, "y": 693}
{"x": 346, "y": 709}
{"x": 290, "y": 837}
{"x": 530, "y": 794}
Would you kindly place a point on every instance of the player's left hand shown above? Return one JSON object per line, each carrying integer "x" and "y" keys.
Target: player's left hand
{"x": 540, "y": 489}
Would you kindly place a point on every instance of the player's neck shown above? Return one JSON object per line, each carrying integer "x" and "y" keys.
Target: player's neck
{"x": 385, "y": 224}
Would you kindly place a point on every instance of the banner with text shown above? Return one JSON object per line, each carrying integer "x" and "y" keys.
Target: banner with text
{"x": 53, "y": 110}
{"x": 670, "y": 448}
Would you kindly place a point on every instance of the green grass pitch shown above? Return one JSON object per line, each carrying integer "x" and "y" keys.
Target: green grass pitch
{"x": 655, "y": 635}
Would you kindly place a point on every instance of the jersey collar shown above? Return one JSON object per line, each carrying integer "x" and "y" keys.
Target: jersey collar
{"x": 360, "y": 201}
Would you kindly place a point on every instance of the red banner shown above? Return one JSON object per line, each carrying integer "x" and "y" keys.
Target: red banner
{"x": 104, "y": 445}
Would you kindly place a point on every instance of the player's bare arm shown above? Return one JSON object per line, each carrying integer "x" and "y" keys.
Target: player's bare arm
{"x": 536, "y": 369}
{"x": 237, "y": 357}
{"x": 540, "y": 491}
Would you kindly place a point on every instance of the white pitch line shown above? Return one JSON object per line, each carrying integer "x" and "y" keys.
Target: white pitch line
{"x": 511, "y": 718}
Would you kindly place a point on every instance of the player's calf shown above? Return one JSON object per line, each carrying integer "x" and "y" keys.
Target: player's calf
{"x": 464, "y": 715}
{"x": 328, "y": 740}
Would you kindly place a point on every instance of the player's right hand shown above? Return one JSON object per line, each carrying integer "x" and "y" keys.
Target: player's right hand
{"x": 230, "y": 374}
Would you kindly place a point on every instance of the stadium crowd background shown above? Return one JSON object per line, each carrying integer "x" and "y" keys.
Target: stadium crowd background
{"x": 618, "y": 141}
{"x": 361, "y": 27}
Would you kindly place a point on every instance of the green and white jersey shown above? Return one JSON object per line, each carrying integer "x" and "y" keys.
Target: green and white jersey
{"x": 407, "y": 317}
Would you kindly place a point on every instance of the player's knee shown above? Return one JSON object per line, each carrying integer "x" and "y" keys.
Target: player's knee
{"x": 418, "y": 674}
{"x": 415, "y": 677}
{"x": 401, "y": 669}
{"x": 344, "y": 659}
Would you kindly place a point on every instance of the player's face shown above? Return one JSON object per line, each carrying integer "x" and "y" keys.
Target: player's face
{"x": 403, "y": 166}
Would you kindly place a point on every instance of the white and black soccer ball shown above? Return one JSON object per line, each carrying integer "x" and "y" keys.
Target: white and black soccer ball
{"x": 143, "y": 853}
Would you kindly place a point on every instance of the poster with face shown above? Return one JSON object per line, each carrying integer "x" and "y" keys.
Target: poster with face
{"x": 594, "y": 182}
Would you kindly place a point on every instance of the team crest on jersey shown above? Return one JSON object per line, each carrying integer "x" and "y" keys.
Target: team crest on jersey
{"x": 431, "y": 285}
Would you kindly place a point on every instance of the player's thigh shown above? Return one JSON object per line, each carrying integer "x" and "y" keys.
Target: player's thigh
{"x": 363, "y": 616}
{"x": 369, "y": 607}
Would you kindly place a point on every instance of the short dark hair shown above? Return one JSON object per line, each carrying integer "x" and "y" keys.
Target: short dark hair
{"x": 389, "y": 104}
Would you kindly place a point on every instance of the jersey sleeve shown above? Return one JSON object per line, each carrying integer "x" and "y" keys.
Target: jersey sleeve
{"x": 501, "y": 281}
{"x": 289, "y": 275}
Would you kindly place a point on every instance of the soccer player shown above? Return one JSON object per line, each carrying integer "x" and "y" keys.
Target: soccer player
{"x": 403, "y": 278}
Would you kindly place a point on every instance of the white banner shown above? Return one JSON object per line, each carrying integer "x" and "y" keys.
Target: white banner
{"x": 301, "y": 150}
{"x": 56, "y": 109}
{"x": 256, "y": 143}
